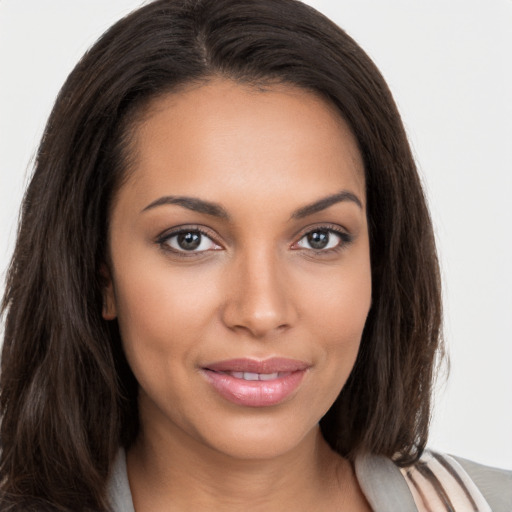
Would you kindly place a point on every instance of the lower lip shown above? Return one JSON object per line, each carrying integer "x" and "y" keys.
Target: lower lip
{"x": 254, "y": 393}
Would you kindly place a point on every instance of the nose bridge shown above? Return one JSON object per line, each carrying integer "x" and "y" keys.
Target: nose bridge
{"x": 259, "y": 301}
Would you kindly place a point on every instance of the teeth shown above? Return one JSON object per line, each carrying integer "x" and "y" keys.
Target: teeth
{"x": 255, "y": 376}
{"x": 268, "y": 376}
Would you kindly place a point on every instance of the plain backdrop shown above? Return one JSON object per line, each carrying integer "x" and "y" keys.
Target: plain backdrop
{"x": 448, "y": 64}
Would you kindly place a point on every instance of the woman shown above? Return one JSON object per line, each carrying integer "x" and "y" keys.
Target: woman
{"x": 225, "y": 290}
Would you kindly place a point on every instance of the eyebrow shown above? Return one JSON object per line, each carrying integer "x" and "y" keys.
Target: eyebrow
{"x": 191, "y": 203}
{"x": 326, "y": 202}
{"x": 216, "y": 210}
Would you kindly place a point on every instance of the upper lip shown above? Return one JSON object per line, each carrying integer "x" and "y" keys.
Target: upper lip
{"x": 271, "y": 365}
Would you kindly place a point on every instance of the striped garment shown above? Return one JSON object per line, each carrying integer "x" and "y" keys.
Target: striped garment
{"x": 438, "y": 483}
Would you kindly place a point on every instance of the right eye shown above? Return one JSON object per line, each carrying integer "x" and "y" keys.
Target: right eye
{"x": 320, "y": 239}
{"x": 188, "y": 241}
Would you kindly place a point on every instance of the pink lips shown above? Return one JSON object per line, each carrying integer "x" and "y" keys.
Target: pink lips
{"x": 256, "y": 383}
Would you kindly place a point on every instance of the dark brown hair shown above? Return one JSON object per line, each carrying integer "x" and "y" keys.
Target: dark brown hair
{"x": 68, "y": 398}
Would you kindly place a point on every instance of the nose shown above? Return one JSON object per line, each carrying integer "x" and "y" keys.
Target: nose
{"x": 259, "y": 297}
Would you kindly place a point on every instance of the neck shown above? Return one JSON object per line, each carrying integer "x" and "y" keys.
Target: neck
{"x": 191, "y": 476}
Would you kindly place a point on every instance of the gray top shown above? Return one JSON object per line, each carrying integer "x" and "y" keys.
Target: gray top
{"x": 385, "y": 486}
{"x": 118, "y": 487}
{"x": 494, "y": 484}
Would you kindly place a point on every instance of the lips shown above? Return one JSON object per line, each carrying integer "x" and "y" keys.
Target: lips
{"x": 253, "y": 383}
{"x": 272, "y": 365}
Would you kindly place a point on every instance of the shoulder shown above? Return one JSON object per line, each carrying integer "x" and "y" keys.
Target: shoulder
{"x": 495, "y": 484}
{"x": 437, "y": 482}
{"x": 445, "y": 482}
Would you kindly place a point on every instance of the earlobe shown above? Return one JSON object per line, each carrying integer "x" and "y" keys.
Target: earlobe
{"x": 109, "y": 310}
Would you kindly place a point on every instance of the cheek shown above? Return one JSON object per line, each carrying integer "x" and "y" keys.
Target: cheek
{"x": 156, "y": 299}
{"x": 340, "y": 301}
{"x": 160, "y": 319}
{"x": 160, "y": 315}
{"x": 339, "y": 309}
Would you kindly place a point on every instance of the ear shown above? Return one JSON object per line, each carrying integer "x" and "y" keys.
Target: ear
{"x": 109, "y": 310}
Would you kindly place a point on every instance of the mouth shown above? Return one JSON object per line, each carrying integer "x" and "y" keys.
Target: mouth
{"x": 250, "y": 376}
{"x": 252, "y": 383}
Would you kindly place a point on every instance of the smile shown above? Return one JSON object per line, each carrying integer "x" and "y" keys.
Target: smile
{"x": 253, "y": 383}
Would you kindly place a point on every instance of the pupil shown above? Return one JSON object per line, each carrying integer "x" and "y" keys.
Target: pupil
{"x": 189, "y": 241}
{"x": 318, "y": 239}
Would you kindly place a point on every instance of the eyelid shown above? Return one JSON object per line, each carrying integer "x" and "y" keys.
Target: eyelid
{"x": 345, "y": 236}
{"x": 164, "y": 237}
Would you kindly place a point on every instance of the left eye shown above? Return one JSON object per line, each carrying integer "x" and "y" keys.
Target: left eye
{"x": 320, "y": 239}
{"x": 190, "y": 241}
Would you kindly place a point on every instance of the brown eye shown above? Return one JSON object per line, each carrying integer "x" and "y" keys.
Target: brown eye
{"x": 190, "y": 241}
{"x": 320, "y": 239}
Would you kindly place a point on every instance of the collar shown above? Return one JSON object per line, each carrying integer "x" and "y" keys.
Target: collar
{"x": 380, "y": 479}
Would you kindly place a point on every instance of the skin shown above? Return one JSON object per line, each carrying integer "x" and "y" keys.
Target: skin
{"x": 255, "y": 288}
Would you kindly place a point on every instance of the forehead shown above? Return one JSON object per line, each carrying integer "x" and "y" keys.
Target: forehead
{"x": 224, "y": 136}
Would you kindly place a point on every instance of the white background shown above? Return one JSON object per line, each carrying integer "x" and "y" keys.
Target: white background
{"x": 448, "y": 64}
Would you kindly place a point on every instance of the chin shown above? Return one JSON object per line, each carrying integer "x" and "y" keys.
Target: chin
{"x": 259, "y": 440}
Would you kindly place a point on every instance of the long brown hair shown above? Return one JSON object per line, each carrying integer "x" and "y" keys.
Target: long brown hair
{"x": 68, "y": 399}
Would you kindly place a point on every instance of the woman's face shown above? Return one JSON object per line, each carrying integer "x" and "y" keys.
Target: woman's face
{"x": 240, "y": 266}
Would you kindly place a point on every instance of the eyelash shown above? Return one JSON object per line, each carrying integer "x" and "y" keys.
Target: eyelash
{"x": 163, "y": 240}
{"x": 345, "y": 240}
